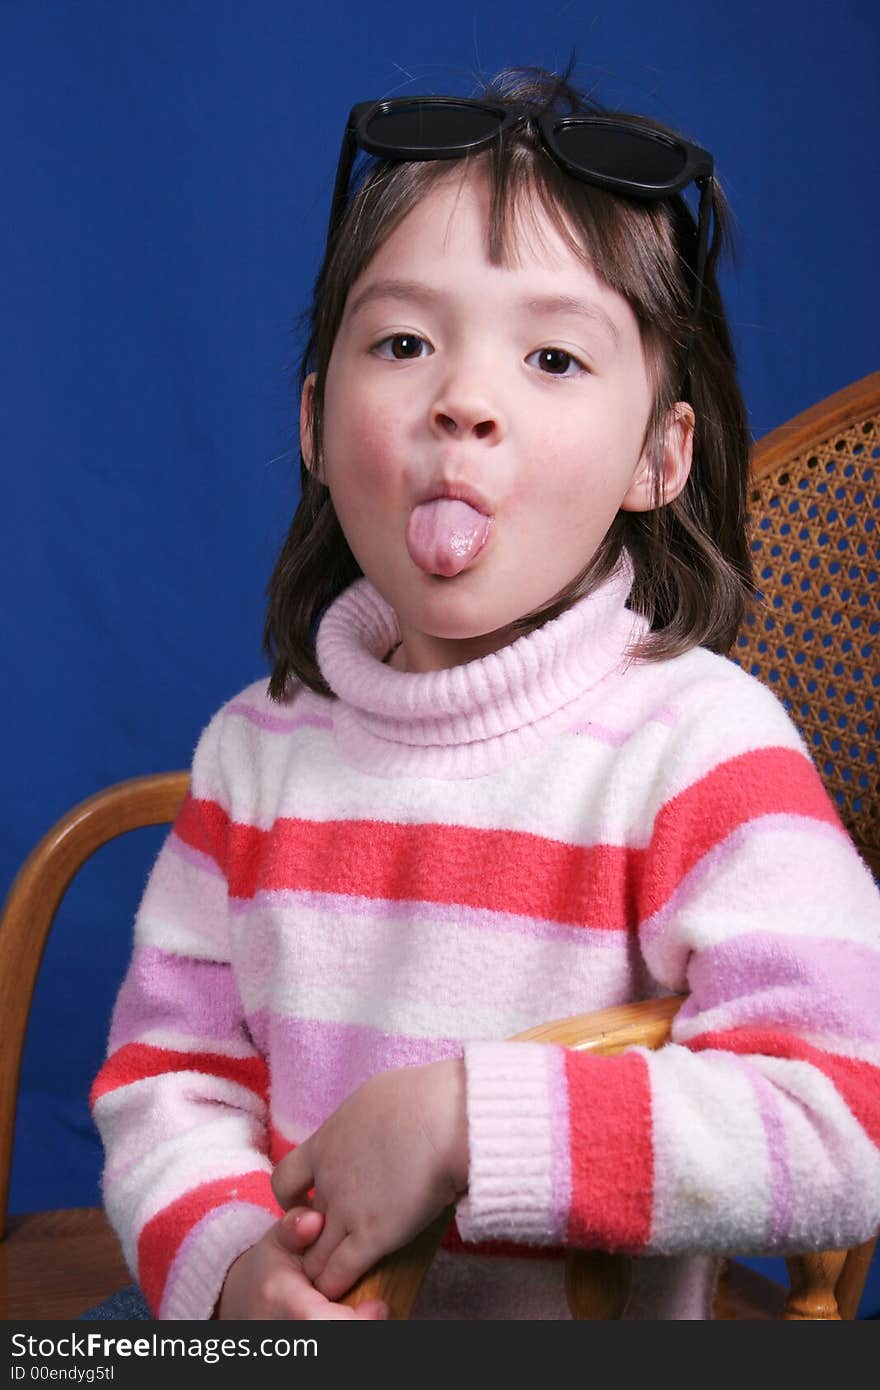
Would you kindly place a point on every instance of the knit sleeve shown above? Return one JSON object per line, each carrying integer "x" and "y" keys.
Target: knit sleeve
{"x": 757, "y": 1128}
{"x": 181, "y": 1101}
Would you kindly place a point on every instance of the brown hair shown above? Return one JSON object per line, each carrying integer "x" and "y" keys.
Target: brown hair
{"x": 691, "y": 559}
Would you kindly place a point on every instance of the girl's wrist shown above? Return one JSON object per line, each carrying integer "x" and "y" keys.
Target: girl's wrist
{"x": 450, "y": 1129}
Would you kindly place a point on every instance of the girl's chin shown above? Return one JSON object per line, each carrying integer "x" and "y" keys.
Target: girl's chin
{"x": 437, "y": 641}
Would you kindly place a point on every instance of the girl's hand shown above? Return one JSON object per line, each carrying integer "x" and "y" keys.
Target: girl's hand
{"x": 383, "y": 1166}
{"x": 268, "y": 1280}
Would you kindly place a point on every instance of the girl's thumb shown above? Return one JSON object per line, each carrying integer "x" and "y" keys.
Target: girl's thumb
{"x": 299, "y": 1228}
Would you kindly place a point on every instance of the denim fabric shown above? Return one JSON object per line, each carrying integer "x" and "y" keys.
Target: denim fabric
{"x": 123, "y": 1306}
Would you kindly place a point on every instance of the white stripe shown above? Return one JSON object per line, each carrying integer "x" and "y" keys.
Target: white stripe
{"x": 170, "y": 1168}
{"x": 170, "y": 1164}
{"x": 712, "y": 1182}
{"x": 184, "y": 908}
{"x": 346, "y": 966}
{"x": 833, "y": 1162}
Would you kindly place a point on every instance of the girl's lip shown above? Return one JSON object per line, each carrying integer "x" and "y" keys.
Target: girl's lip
{"x": 457, "y": 492}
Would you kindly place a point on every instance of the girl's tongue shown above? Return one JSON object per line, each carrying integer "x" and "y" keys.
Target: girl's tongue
{"x": 443, "y": 536}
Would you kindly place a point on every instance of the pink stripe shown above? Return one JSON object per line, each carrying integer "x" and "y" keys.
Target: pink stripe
{"x": 315, "y": 1065}
{"x": 777, "y": 1150}
{"x": 604, "y": 733}
{"x": 197, "y": 998}
{"x": 806, "y": 983}
{"x": 277, "y": 723}
{"x": 601, "y": 733}
{"x": 726, "y": 850}
{"x": 452, "y": 914}
{"x": 373, "y": 970}
{"x": 560, "y": 1140}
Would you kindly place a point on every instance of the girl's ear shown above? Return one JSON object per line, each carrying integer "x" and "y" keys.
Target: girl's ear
{"x": 675, "y": 462}
{"x": 306, "y": 442}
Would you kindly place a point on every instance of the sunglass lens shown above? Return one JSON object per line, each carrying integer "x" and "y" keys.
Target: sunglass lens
{"x": 425, "y": 127}
{"x": 615, "y": 152}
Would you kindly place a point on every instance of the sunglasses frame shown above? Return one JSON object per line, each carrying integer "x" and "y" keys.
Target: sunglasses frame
{"x": 698, "y": 163}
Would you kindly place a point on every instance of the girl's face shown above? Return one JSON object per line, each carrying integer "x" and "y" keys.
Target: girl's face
{"x": 522, "y": 387}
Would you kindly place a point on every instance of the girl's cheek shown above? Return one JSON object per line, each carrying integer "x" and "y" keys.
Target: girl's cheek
{"x": 377, "y": 448}
{"x": 377, "y": 454}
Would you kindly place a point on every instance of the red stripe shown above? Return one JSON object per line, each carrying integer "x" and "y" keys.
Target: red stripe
{"x": 857, "y": 1082}
{"x": 612, "y": 1160}
{"x": 769, "y": 781}
{"x": 605, "y": 886}
{"x": 135, "y": 1061}
{"x": 278, "y": 1145}
{"x": 163, "y": 1235}
{"x": 499, "y": 1249}
{"x": 500, "y": 870}
{"x": 203, "y": 825}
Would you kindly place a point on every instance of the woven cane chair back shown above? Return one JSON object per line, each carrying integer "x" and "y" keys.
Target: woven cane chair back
{"x": 813, "y": 635}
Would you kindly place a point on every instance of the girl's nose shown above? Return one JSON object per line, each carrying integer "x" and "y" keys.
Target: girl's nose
{"x": 467, "y": 413}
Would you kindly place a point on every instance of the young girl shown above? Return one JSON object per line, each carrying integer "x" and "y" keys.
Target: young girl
{"x": 502, "y": 773}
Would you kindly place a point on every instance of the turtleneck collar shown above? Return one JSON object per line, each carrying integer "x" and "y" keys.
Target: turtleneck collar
{"x": 475, "y": 718}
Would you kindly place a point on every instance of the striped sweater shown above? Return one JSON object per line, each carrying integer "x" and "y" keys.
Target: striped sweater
{"x": 425, "y": 864}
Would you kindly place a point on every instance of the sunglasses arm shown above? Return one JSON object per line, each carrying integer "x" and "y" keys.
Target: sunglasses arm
{"x": 343, "y": 177}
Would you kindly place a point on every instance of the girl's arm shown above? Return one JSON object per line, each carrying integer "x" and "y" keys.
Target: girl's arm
{"x": 758, "y": 1128}
{"x": 181, "y": 1101}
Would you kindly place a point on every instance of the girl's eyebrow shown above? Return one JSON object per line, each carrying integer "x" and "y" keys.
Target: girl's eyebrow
{"x": 415, "y": 290}
{"x": 570, "y": 304}
{"x": 393, "y": 289}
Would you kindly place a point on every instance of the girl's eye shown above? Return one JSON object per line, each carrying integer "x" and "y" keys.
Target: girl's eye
{"x": 403, "y": 347}
{"x": 556, "y": 362}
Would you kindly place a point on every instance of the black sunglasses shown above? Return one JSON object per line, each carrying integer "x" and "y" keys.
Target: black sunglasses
{"x": 622, "y": 156}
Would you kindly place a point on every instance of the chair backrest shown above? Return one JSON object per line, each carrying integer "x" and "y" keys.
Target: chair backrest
{"x": 814, "y": 635}
{"x": 30, "y": 910}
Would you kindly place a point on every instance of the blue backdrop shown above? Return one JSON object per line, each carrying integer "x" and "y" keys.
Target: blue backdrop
{"x": 167, "y": 170}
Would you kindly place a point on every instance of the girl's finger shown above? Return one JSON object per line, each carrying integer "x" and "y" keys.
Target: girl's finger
{"x": 343, "y": 1267}
{"x": 372, "y": 1308}
{"x": 306, "y": 1302}
{"x": 315, "y": 1258}
{"x": 292, "y": 1177}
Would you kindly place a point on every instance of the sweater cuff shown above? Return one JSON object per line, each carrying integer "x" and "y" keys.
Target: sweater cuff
{"x": 519, "y": 1174}
{"x": 200, "y": 1271}
{"x": 185, "y": 1253}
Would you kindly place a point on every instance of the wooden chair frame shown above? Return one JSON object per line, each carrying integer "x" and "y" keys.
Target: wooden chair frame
{"x": 95, "y": 1266}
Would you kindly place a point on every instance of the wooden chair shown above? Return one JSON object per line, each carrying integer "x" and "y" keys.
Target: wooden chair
{"x": 55, "y": 1264}
{"x": 815, "y": 487}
